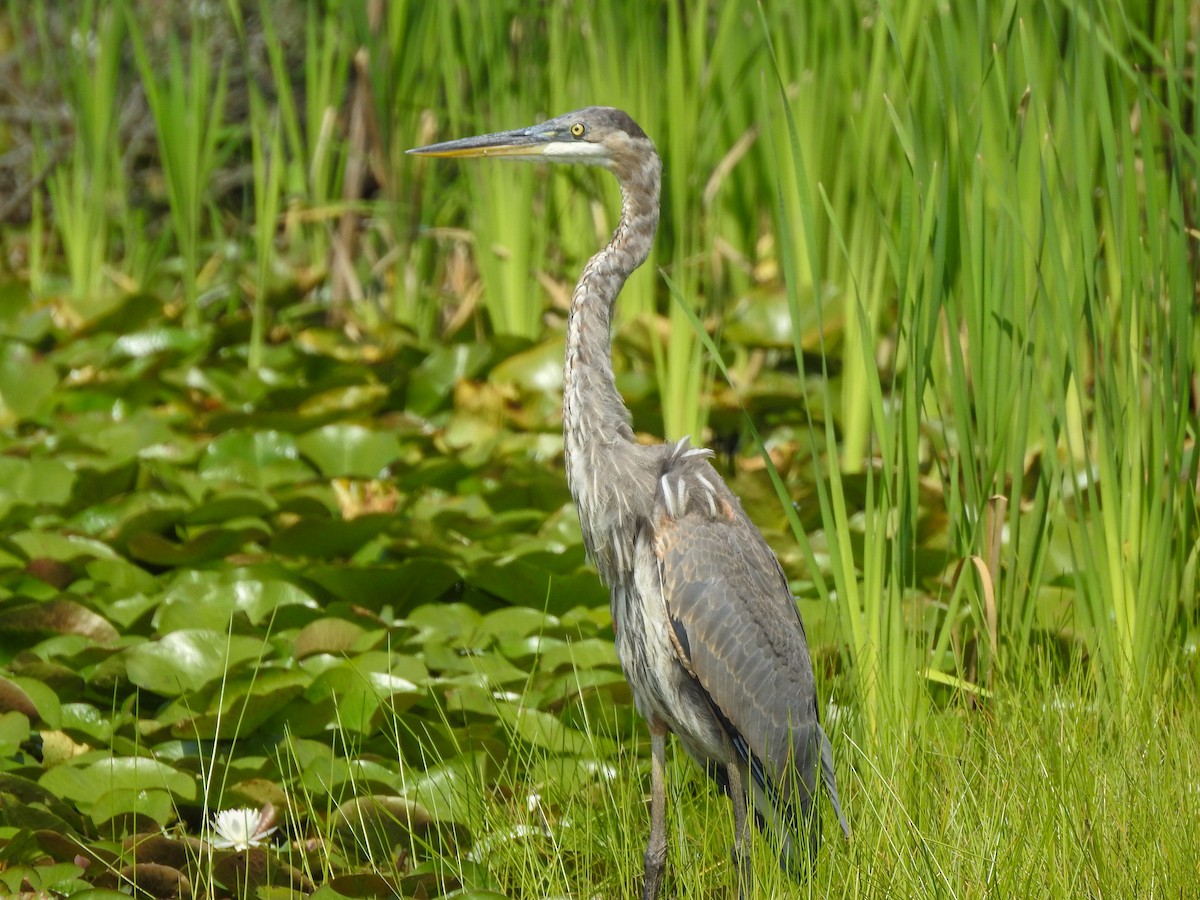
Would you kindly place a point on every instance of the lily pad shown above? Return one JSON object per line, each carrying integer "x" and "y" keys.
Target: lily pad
{"x": 119, "y": 441}
{"x": 121, "y": 577}
{"x": 154, "y": 880}
{"x": 365, "y": 886}
{"x": 211, "y": 545}
{"x": 587, "y": 654}
{"x": 517, "y": 622}
{"x": 358, "y": 695}
{"x": 135, "y": 804}
{"x": 449, "y": 791}
{"x": 327, "y": 635}
{"x": 63, "y": 547}
{"x": 58, "y": 616}
{"x": 207, "y": 600}
{"x": 432, "y": 382}
{"x": 26, "y": 383}
{"x": 33, "y": 482}
{"x": 255, "y": 458}
{"x": 524, "y": 584}
{"x": 243, "y": 705}
{"x": 86, "y": 720}
{"x": 399, "y": 587}
{"x": 343, "y": 450}
{"x": 377, "y": 823}
{"x": 14, "y": 730}
{"x": 545, "y": 730}
{"x": 31, "y": 699}
{"x": 187, "y": 660}
{"x": 86, "y": 783}
{"x": 329, "y": 538}
{"x": 231, "y": 505}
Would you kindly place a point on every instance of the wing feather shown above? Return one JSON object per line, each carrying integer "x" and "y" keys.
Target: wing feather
{"x": 739, "y": 631}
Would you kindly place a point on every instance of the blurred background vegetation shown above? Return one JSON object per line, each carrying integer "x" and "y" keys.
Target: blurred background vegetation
{"x": 283, "y": 522}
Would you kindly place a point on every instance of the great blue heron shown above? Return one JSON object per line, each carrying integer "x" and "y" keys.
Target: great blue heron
{"x": 707, "y": 631}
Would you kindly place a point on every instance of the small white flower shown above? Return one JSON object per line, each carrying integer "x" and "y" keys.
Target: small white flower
{"x": 240, "y": 829}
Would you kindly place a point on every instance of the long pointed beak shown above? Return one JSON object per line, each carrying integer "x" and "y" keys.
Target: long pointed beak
{"x": 523, "y": 143}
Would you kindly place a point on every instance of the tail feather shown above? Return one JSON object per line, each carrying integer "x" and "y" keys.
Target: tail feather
{"x": 830, "y": 782}
{"x": 795, "y": 827}
{"x": 789, "y": 822}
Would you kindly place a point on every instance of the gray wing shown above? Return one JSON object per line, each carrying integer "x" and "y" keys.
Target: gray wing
{"x": 738, "y": 629}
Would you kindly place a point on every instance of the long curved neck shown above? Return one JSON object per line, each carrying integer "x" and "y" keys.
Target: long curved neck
{"x": 593, "y": 410}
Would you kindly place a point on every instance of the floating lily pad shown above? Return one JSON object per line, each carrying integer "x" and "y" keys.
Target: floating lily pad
{"x": 33, "y": 482}
{"x": 87, "y": 782}
{"x": 129, "y": 438}
{"x": 328, "y": 538}
{"x": 14, "y": 729}
{"x": 482, "y": 666}
{"x": 230, "y": 505}
{"x": 358, "y": 694}
{"x": 255, "y": 458}
{"x": 134, "y": 804}
{"x": 448, "y": 791}
{"x": 155, "y": 847}
{"x": 63, "y": 547}
{"x": 244, "y": 705}
{"x": 28, "y": 804}
{"x": 349, "y": 451}
{"x": 86, "y": 720}
{"x": 58, "y": 616}
{"x": 211, "y": 545}
{"x": 121, "y": 577}
{"x": 27, "y": 382}
{"x": 517, "y": 622}
{"x": 31, "y": 699}
{"x": 525, "y": 584}
{"x": 250, "y": 871}
{"x": 188, "y": 660}
{"x": 374, "y": 824}
{"x": 587, "y": 654}
{"x": 445, "y": 622}
{"x": 545, "y": 730}
{"x": 327, "y": 635}
{"x": 400, "y": 587}
{"x": 203, "y": 600}
{"x": 367, "y": 886}
{"x": 431, "y": 384}
{"x": 44, "y": 880}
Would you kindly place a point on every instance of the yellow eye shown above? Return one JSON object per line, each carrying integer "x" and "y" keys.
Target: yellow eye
{"x": 578, "y": 129}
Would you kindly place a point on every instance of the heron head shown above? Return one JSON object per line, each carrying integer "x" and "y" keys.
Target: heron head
{"x": 594, "y": 135}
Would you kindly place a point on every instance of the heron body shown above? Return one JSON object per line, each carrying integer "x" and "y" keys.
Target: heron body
{"x": 707, "y": 631}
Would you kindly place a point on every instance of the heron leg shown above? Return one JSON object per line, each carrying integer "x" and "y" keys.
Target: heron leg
{"x": 741, "y": 829}
{"x": 656, "y": 849}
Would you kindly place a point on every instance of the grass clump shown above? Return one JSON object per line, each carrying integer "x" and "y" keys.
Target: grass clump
{"x": 1042, "y": 796}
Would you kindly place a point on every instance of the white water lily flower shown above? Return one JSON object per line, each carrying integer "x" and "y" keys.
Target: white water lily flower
{"x": 241, "y": 829}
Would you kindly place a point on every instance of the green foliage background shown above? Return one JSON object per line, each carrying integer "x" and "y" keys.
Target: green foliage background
{"x": 283, "y": 522}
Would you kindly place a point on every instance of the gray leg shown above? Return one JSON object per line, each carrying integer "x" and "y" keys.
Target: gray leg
{"x": 656, "y": 850}
{"x": 741, "y": 829}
